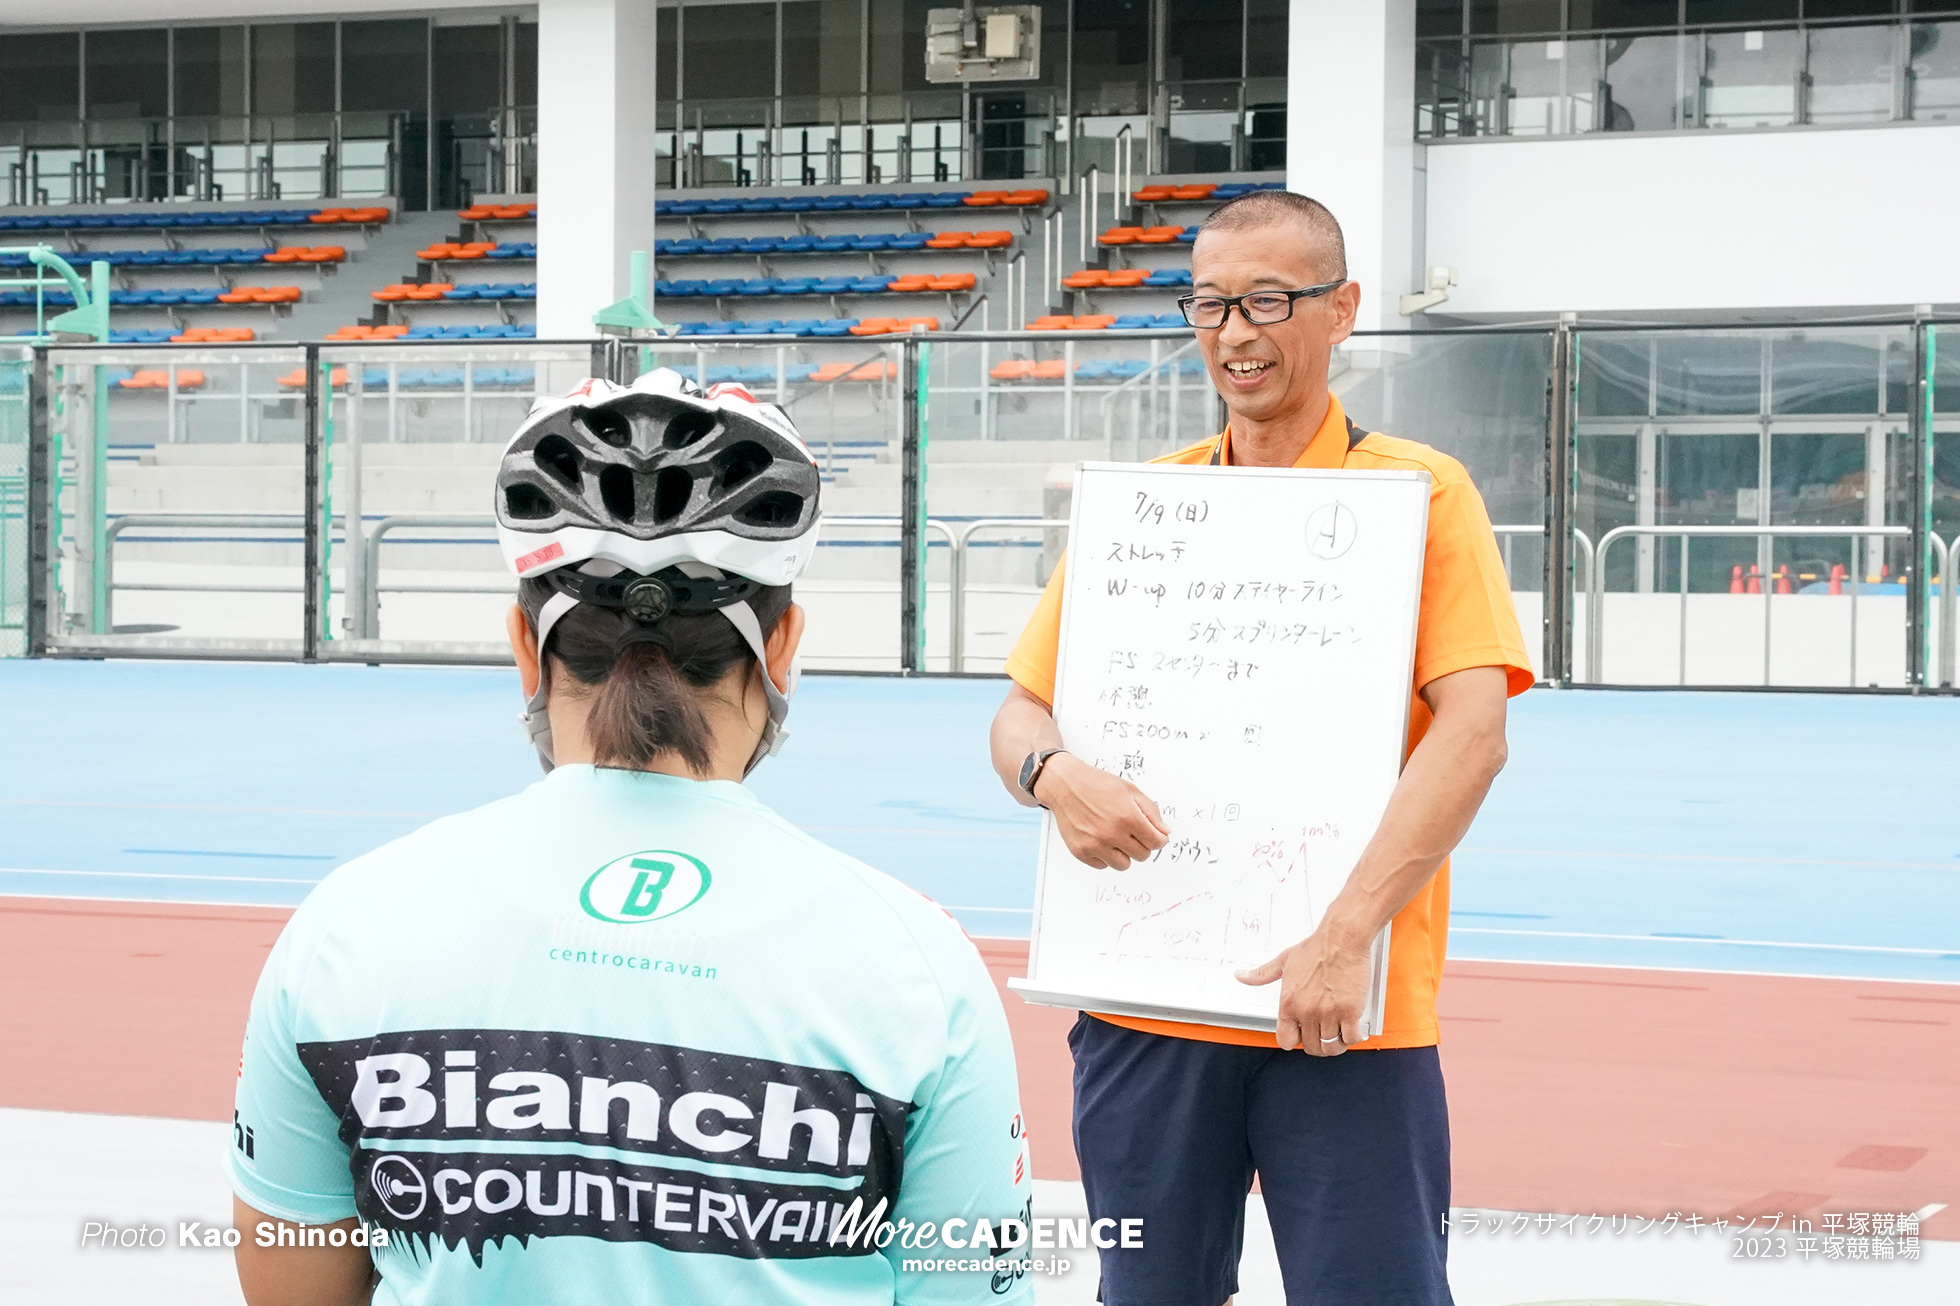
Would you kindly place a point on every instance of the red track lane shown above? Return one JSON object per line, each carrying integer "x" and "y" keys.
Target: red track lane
{"x": 1575, "y": 1089}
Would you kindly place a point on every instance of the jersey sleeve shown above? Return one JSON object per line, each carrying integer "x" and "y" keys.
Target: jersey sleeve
{"x": 966, "y": 1154}
{"x": 286, "y": 1157}
{"x": 1467, "y": 616}
{"x": 1031, "y": 664}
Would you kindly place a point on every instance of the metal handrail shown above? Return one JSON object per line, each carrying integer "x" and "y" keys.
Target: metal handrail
{"x": 1148, "y": 374}
{"x": 205, "y": 520}
{"x": 1950, "y": 601}
{"x": 956, "y": 658}
{"x": 1506, "y": 530}
{"x": 1596, "y": 592}
{"x": 370, "y": 624}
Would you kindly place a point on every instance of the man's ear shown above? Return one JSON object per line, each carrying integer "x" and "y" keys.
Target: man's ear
{"x": 1347, "y": 310}
{"x": 523, "y": 647}
{"x": 782, "y": 644}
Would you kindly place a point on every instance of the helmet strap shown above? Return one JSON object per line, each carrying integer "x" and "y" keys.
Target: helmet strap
{"x": 537, "y": 720}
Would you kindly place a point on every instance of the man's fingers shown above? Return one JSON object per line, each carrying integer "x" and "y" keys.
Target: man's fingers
{"x": 1265, "y": 973}
{"x": 1287, "y": 1035}
{"x": 1151, "y": 814}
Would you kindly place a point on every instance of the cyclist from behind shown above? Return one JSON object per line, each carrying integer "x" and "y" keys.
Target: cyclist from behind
{"x": 628, "y": 1036}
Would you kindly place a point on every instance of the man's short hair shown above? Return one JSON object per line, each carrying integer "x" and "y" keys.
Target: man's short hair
{"x": 1267, "y": 208}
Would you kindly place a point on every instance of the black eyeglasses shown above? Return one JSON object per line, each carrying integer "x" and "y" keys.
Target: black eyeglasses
{"x": 1261, "y": 307}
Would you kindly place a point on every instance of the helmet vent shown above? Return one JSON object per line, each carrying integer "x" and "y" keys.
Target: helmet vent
{"x": 609, "y": 426}
{"x": 672, "y": 488}
{"x": 776, "y": 508}
{"x": 616, "y": 492}
{"x": 686, "y": 428}
{"x": 526, "y": 502}
{"x": 556, "y": 455}
{"x": 740, "y": 463}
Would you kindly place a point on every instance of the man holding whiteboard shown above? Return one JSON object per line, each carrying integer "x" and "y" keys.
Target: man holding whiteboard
{"x": 1174, "y": 1120}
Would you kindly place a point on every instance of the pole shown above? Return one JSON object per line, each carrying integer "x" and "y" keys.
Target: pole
{"x": 40, "y": 499}
{"x": 1919, "y": 489}
{"x": 1557, "y": 648}
{"x": 915, "y": 358}
{"x": 313, "y": 555}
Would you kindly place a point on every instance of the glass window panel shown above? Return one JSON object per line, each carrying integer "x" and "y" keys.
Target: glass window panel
{"x": 730, "y": 51}
{"x": 210, "y": 71}
{"x": 1851, "y": 74}
{"x": 1202, "y": 41}
{"x": 1705, "y": 375}
{"x": 385, "y": 65}
{"x": 666, "y": 39}
{"x": 1112, "y": 56}
{"x": 1439, "y": 17}
{"x": 820, "y": 47}
{"x": 468, "y": 68}
{"x": 1515, "y": 17}
{"x": 1809, "y": 374}
{"x": 1534, "y": 88}
{"x": 1750, "y": 78}
{"x": 1817, "y": 480}
{"x": 40, "y": 77}
{"x": 292, "y": 68}
{"x": 1615, "y": 374}
{"x": 1706, "y": 479}
{"x": 1265, "y": 38}
{"x": 1643, "y": 84}
{"x": 128, "y": 73}
{"x": 1740, "y": 11}
{"x": 1849, "y": 8}
{"x": 1605, "y": 15}
{"x": 526, "y": 56}
{"x": 1935, "y": 85}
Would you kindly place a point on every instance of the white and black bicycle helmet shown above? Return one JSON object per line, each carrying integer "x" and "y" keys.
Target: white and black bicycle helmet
{"x": 657, "y": 498}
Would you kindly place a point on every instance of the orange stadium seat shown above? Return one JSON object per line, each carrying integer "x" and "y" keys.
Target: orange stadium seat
{"x": 981, "y": 199}
{"x": 911, "y": 283}
{"x": 875, "y": 326}
{"x": 955, "y": 281}
{"x": 1053, "y": 370}
{"x": 1026, "y": 198}
{"x": 1152, "y": 194}
{"x": 950, "y": 240}
{"x": 1013, "y": 369}
{"x": 1201, "y": 191}
{"x": 1126, "y": 277}
{"x": 990, "y": 240}
{"x": 1086, "y": 278}
{"x": 1159, "y": 235}
{"x": 1120, "y": 236}
{"x": 922, "y": 323}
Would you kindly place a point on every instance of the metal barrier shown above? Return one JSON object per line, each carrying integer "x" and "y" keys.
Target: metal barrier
{"x": 203, "y": 521}
{"x": 956, "y": 659}
{"x": 1596, "y": 592}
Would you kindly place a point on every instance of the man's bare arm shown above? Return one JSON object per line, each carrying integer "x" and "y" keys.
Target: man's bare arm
{"x": 299, "y": 1276}
{"x": 1325, "y": 977}
{"x": 1106, "y": 821}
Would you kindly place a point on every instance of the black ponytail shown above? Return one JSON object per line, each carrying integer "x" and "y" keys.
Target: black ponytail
{"x": 645, "y": 681}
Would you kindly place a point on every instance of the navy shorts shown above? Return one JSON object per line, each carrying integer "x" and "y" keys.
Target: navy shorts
{"x": 1352, "y": 1154}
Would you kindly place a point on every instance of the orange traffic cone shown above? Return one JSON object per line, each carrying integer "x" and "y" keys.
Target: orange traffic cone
{"x": 1783, "y": 580}
{"x": 1838, "y": 574}
{"x": 1755, "y": 580}
{"x": 1735, "y": 579}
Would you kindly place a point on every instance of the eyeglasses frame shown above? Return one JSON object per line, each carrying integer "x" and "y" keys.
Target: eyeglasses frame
{"x": 1238, "y": 301}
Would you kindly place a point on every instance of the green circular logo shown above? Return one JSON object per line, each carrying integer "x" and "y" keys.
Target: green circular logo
{"x": 646, "y": 886}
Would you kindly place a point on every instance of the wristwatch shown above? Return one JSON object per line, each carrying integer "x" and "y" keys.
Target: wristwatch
{"x": 1032, "y": 768}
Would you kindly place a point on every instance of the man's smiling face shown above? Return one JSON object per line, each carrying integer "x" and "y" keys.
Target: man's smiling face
{"x": 1268, "y": 373}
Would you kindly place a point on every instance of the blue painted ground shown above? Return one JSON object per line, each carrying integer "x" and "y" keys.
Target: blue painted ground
{"x": 1786, "y": 834}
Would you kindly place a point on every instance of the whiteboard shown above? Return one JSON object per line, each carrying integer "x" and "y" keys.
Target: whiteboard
{"x": 1239, "y": 643}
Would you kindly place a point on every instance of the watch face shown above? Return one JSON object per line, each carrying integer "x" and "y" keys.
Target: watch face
{"x": 1027, "y": 769}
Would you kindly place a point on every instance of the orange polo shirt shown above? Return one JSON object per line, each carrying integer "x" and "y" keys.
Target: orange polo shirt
{"x": 1466, "y": 620}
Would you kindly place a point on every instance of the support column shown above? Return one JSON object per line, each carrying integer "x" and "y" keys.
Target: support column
{"x": 1350, "y": 138}
{"x": 596, "y": 100}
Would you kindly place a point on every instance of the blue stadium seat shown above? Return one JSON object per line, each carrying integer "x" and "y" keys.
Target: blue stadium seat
{"x": 911, "y": 240}
{"x": 834, "y": 285}
{"x": 798, "y": 372}
{"x": 721, "y": 206}
{"x": 802, "y": 325}
{"x": 1095, "y": 369}
{"x": 830, "y": 205}
{"x": 1133, "y": 322}
{"x": 877, "y": 240}
{"x": 688, "y": 289}
{"x": 765, "y": 205}
{"x": 796, "y": 285}
{"x": 797, "y": 244}
{"x": 758, "y": 286}
{"x": 761, "y": 245}
{"x": 1188, "y": 236}
{"x": 723, "y": 374}
{"x": 1173, "y": 320}
{"x": 834, "y": 326}
{"x": 948, "y": 199}
{"x": 682, "y": 208}
{"x": 1128, "y": 368}
{"x": 909, "y": 201}
{"x": 726, "y": 245}
{"x": 526, "y": 331}
{"x": 831, "y": 244}
{"x": 871, "y": 285}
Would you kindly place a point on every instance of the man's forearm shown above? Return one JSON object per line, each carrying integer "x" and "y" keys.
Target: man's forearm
{"x": 1022, "y": 726}
{"x": 1434, "y": 802}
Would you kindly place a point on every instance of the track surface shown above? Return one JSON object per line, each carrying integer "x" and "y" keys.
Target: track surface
{"x": 1744, "y": 911}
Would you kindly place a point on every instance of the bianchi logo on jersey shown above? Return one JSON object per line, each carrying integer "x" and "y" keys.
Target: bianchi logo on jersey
{"x": 641, "y": 887}
{"x": 650, "y": 1105}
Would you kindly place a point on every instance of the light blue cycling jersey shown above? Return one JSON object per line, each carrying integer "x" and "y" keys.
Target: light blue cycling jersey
{"x": 630, "y": 1038}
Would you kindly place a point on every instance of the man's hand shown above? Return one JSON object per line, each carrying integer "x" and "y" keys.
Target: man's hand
{"x": 1323, "y": 987}
{"x": 1106, "y": 821}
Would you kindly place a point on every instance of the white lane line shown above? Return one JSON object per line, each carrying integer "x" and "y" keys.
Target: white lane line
{"x": 1925, "y": 1213}
{"x": 1707, "y": 857}
{"x": 120, "y": 901}
{"x": 1736, "y": 943}
{"x": 1839, "y": 978}
{"x": 162, "y": 875}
